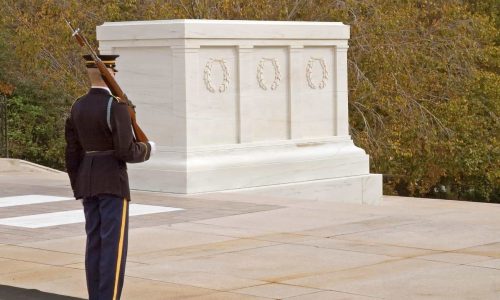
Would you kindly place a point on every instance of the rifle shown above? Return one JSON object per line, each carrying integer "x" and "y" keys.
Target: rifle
{"x": 111, "y": 83}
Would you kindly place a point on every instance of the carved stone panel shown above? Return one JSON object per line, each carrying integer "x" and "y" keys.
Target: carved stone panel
{"x": 213, "y": 118}
{"x": 143, "y": 80}
{"x": 265, "y": 108}
{"x": 314, "y": 109}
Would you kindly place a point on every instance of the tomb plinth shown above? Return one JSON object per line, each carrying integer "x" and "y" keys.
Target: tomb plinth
{"x": 240, "y": 104}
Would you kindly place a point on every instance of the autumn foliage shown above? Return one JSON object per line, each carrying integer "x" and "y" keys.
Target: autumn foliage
{"x": 423, "y": 76}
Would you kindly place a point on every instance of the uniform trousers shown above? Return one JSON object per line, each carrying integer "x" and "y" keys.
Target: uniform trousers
{"x": 106, "y": 225}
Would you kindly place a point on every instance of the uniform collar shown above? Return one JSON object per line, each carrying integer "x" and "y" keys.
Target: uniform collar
{"x": 99, "y": 90}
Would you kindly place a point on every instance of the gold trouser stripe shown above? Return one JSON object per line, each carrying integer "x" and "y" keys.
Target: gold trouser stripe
{"x": 120, "y": 247}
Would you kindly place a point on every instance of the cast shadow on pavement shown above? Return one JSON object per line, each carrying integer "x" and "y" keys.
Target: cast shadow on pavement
{"x": 15, "y": 293}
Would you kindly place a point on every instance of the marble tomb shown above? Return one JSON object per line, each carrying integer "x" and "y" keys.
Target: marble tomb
{"x": 242, "y": 104}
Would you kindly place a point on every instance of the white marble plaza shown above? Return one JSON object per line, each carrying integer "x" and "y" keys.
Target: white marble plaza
{"x": 241, "y": 104}
{"x": 243, "y": 245}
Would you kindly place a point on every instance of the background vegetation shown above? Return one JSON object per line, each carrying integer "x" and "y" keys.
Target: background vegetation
{"x": 423, "y": 76}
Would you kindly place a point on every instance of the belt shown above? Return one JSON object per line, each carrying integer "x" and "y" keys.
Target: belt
{"x": 99, "y": 153}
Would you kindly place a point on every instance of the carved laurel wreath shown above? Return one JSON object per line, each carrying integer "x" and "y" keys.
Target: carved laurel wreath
{"x": 260, "y": 73}
{"x": 309, "y": 68}
{"x": 207, "y": 75}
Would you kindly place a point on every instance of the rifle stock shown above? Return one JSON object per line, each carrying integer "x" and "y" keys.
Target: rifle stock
{"x": 110, "y": 81}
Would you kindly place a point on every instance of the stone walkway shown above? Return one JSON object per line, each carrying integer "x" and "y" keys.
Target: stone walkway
{"x": 242, "y": 245}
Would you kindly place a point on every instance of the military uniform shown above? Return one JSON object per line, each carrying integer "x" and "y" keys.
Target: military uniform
{"x": 99, "y": 143}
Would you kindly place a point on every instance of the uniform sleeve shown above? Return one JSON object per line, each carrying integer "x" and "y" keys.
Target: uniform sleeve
{"x": 73, "y": 153}
{"x": 124, "y": 144}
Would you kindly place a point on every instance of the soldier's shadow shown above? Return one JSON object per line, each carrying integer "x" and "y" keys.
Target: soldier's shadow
{"x": 16, "y": 293}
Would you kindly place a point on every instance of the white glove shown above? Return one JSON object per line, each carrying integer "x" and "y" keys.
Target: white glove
{"x": 153, "y": 147}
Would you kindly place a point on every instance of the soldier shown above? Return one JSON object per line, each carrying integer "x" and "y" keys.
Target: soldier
{"x": 99, "y": 143}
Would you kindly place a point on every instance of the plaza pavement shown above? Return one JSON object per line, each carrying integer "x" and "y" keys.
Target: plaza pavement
{"x": 243, "y": 245}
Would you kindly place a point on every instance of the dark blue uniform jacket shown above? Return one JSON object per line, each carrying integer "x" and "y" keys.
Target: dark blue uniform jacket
{"x": 98, "y": 146}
